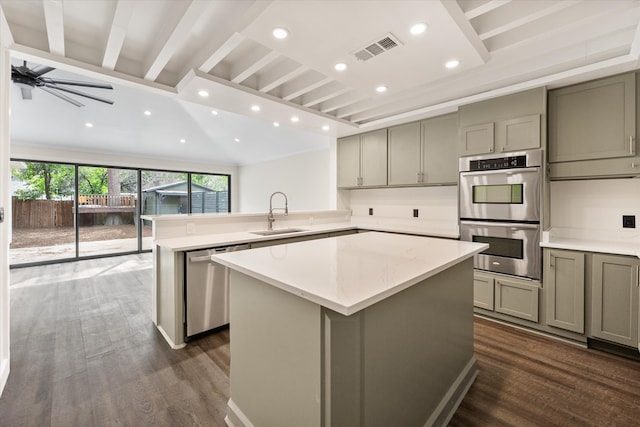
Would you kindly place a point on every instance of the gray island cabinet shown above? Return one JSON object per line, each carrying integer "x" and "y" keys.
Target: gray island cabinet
{"x": 370, "y": 329}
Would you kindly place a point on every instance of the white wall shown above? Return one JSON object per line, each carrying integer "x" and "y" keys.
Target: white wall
{"x": 305, "y": 178}
{"x": 595, "y": 204}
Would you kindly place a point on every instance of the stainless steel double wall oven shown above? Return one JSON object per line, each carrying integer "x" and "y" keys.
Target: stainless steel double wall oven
{"x": 500, "y": 204}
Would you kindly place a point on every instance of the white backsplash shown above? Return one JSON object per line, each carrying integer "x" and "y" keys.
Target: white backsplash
{"x": 595, "y": 204}
{"x": 437, "y": 206}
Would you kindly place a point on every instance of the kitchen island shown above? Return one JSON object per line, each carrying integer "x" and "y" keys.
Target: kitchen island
{"x": 365, "y": 329}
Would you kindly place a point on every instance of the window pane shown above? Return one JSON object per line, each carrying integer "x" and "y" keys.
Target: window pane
{"x": 209, "y": 193}
{"x": 107, "y": 220}
{"x": 42, "y": 212}
{"x": 163, "y": 193}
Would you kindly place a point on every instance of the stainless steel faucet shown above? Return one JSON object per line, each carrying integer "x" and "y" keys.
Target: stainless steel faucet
{"x": 270, "y": 217}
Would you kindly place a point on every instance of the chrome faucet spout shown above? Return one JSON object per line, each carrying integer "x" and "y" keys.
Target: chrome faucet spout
{"x": 270, "y": 217}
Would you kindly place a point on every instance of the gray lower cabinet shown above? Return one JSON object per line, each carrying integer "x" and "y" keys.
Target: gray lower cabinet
{"x": 593, "y": 120}
{"x": 614, "y": 299}
{"x": 564, "y": 289}
{"x": 483, "y": 291}
{"x": 517, "y": 298}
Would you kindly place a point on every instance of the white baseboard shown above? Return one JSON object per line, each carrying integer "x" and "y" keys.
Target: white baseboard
{"x": 171, "y": 343}
{"x": 4, "y": 373}
{"x": 235, "y": 417}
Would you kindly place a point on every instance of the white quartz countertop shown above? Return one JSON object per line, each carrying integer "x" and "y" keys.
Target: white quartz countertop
{"x": 196, "y": 241}
{"x": 349, "y": 273}
{"x": 609, "y": 242}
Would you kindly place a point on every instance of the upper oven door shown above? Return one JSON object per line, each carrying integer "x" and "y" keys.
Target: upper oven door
{"x": 502, "y": 195}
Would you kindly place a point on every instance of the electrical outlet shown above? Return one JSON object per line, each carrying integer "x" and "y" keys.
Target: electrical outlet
{"x": 415, "y": 213}
{"x": 628, "y": 221}
{"x": 370, "y": 211}
{"x": 191, "y": 228}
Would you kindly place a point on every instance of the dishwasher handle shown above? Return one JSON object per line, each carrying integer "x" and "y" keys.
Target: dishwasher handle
{"x": 207, "y": 257}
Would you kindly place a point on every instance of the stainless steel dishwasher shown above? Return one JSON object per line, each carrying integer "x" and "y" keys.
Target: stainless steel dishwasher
{"x": 206, "y": 291}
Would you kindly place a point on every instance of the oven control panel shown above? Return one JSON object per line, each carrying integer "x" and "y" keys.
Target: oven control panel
{"x": 498, "y": 163}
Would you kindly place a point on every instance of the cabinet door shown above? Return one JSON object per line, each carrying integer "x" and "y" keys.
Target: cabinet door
{"x": 348, "y": 152}
{"x": 439, "y": 156}
{"x": 595, "y": 120}
{"x": 404, "y": 154}
{"x": 476, "y": 139}
{"x": 517, "y": 299}
{"x": 614, "y": 299}
{"x": 518, "y": 134}
{"x": 373, "y": 158}
{"x": 483, "y": 291}
{"x": 564, "y": 289}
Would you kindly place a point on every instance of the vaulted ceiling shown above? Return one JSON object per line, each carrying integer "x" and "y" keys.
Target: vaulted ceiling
{"x": 177, "y": 48}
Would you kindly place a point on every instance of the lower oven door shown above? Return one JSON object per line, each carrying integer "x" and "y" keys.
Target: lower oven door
{"x": 513, "y": 248}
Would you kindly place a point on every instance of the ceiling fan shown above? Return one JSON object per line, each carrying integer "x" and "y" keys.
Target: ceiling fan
{"x": 29, "y": 78}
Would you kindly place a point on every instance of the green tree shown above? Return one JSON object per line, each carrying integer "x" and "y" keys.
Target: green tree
{"x": 48, "y": 180}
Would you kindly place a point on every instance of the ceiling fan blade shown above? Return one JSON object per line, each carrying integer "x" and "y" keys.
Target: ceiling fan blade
{"x": 61, "y": 96}
{"x": 76, "y": 92}
{"x": 26, "y": 93}
{"x": 76, "y": 83}
{"x": 39, "y": 70}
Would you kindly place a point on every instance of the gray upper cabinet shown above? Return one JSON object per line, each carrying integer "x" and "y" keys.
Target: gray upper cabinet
{"x": 501, "y": 136}
{"x": 477, "y": 139}
{"x": 614, "y": 299}
{"x": 424, "y": 153}
{"x": 439, "y": 155}
{"x": 564, "y": 289}
{"x": 362, "y": 160}
{"x": 404, "y": 154}
{"x": 594, "y": 120}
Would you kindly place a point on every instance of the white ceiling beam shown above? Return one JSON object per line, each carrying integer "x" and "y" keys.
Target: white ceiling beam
{"x": 220, "y": 53}
{"x": 341, "y": 101}
{"x": 353, "y": 109}
{"x": 279, "y": 75}
{"x": 166, "y": 46}
{"x": 467, "y": 29}
{"x": 635, "y": 45}
{"x": 5, "y": 30}
{"x": 484, "y": 8}
{"x": 304, "y": 84}
{"x": 117, "y": 33}
{"x": 324, "y": 93}
{"x": 251, "y": 65}
{"x": 54, "y": 20}
{"x": 502, "y": 25}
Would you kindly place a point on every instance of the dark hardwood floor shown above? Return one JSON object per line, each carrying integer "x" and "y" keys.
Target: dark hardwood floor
{"x": 84, "y": 352}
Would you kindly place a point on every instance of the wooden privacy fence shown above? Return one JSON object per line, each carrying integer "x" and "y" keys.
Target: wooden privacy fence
{"x": 41, "y": 213}
{"x": 106, "y": 200}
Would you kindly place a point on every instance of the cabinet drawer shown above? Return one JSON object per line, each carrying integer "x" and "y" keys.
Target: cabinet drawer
{"x": 516, "y": 299}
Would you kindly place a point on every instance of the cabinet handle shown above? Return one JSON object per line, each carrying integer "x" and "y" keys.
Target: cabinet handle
{"x": 631, "y": 147}
{"x": 419, "y": 177}
{"x": 502, "y": 149}
{"x": 637, "y": 275}
{"x": 551, "y": 261}
{"x": 491, "y": 149}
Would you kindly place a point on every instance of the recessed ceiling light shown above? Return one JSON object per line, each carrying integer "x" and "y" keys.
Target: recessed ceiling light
{"x": 89, "y": 125}
{"x": 381, "y": 89}
{"x": 418, "y": 28}
{"x": 147, "y": 113}
{"x": 203, "y": 93}
{"x": 340, "y": 66}
{"x": 452, "y": 64}
{"x": 295, "y": 119}
{"x": 214, "y": 112}
{"x": 237, "y": 140}
{"x": 325, "y": 128}
{"x": 182, "y": 140}
{"x": 280, "y": 33}
{"x": 255, "y": 108}
{"x": 276, "y": 124}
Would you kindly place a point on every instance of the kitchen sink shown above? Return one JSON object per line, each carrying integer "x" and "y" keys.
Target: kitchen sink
{"x": 275, "y": 232}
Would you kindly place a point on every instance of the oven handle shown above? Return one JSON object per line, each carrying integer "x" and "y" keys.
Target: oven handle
{"x": 513, "y": 171}
{"x": 501, "y": 224}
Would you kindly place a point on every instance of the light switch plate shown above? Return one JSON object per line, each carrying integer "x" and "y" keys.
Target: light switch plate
{"x": 1, "y": 215}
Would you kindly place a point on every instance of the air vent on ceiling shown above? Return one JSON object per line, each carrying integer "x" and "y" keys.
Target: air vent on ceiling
{"x": 381, "y": 45}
